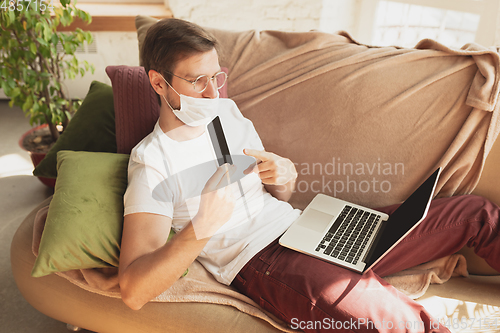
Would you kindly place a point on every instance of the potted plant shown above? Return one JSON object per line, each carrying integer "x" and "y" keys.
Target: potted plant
{"x": 35, "y": 58}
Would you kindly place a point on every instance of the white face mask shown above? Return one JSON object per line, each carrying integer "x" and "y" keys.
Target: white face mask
{"x": 195, "y": 111}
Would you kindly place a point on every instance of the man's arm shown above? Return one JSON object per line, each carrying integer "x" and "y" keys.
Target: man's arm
{"x": 149, "y": 265}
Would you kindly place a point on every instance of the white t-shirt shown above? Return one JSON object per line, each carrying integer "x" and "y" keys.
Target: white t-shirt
{"x": 166, "y": 178}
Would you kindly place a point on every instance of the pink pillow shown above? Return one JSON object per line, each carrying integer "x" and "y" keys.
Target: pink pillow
{"x": 136, "y": 105}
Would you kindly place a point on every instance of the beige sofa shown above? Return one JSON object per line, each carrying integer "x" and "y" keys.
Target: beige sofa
{"x": 320, "y": 100}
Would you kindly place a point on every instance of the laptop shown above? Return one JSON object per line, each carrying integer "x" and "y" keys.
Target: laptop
{"x": 353, "y": 236}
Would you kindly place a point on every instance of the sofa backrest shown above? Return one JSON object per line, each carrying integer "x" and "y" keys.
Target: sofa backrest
{"x": 365, "y": 124}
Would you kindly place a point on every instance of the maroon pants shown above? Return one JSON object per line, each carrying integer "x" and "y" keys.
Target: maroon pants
{"x": 316, "y": 296}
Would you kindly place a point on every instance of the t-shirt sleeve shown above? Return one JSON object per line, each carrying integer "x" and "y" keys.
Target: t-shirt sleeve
{"x": 148, "y": 191}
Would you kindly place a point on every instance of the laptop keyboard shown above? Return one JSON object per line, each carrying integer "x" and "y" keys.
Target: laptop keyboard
{"x": 348, "y": 236}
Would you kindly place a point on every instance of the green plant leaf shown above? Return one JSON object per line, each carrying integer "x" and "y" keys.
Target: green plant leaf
{"x": 69, "y": 48}
{"x": 28, "y": 103}
{"x": 38, "y": 28}
{"x": 6, "y": 19}
{"x": 12, "y": 16}
{"x": 55, "y": 39}
{"x": 68, "y": 115}
{"x": 80, "y": 37}
{"x": 47, "y": 34}
{"x": 41, "y": 41}
{"x": 33, "y": 47}
{"x": 63, "y": 20}
{"x": 88, "y": 37}
{"x": 15, "y": 92}
{"x": 11, "y": 82}
{"x": 5, "y": 88}
{"x": 23, "y": 79}
{"x": 89, "y": 18}
{"x": 67, "y": 18}
{"x": 35, "y": 108}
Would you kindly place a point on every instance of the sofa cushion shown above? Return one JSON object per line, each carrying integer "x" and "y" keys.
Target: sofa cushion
{"x": 84, "y": 221}
{"x": 92, "y": 128}
{"x": 136, "y": 105}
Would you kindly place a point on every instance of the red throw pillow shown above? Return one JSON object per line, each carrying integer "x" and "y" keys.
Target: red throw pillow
{"x": 136, "y": 105}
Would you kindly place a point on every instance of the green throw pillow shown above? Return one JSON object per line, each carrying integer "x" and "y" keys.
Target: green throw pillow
{"x": 85, "y": 218}
{"x": 92, "y": 128}
{"x": 84, "y": 222}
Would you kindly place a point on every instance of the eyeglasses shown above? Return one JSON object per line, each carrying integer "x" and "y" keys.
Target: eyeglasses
{"x": 201, "y": 82}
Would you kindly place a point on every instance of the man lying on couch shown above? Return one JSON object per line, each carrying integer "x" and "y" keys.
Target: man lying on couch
{"x": 235, "y": 236}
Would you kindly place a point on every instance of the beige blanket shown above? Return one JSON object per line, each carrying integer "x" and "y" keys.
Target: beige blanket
{"x": 199, "y": 286}
{"x": 380, "y": 119}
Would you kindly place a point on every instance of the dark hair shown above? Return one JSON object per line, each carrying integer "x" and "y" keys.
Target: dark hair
{"x": 171, "y": 40}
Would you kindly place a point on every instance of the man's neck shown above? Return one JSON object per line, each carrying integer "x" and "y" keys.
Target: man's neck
{"x": 176, "y": 129}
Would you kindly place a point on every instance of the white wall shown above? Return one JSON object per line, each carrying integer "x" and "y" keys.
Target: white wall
{"x": 113, "y": 48}
{"x": 497, "y": 30}
{"x": 289, "y": 15}
{"x": 339, "y": 15}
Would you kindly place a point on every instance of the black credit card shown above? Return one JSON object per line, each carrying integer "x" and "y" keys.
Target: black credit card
{"x": 219, "y": 142}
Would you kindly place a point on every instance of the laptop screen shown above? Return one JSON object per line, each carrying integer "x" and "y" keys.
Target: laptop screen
{"x": 404, "y": 219}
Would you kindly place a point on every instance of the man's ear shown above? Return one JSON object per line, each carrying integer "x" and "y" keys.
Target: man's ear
{"x": 157, "y": 82}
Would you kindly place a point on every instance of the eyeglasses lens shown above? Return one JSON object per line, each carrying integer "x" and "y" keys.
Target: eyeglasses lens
{"x": 201, "y": 82}
{"x": 221, "y": 78}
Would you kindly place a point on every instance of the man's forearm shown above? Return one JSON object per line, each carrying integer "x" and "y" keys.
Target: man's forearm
{"x": 153, "y": 273}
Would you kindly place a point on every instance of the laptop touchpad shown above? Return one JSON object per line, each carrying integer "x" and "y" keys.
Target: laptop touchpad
{"x": 315, "y": 220}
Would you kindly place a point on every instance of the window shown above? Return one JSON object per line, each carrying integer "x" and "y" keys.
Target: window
{"x": 405, "y": 22}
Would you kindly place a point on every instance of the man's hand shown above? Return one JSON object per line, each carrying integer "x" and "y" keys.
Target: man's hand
{"x": 216, "y": 204}
{"x": 278, "y": 174}
{"x": 271, "y": 168}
